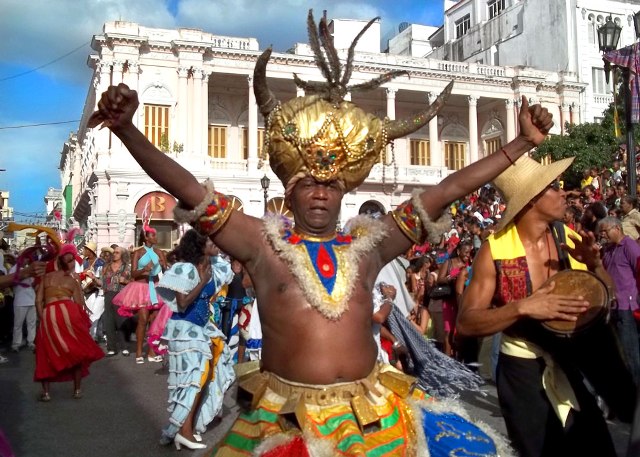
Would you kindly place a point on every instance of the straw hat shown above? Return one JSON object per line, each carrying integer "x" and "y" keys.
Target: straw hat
{"x": 92, "y": 246}
{"x": 520, "y": 183}
{"x": 108, "y": 249}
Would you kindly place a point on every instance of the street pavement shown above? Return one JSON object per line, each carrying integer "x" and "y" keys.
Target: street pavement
{"x": 124, "y": 409}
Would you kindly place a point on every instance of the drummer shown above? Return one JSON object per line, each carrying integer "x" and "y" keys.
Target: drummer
{"x": 546, "y": 407}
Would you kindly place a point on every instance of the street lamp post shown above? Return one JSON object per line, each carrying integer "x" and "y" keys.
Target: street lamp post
{"x": 608, "y": 37}
{"x": 264, "y": 182}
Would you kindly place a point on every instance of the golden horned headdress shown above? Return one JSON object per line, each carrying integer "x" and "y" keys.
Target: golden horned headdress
{"x": 321, "y": 134}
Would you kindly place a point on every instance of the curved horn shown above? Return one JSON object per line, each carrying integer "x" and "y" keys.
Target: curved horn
{"x": 264, "y": 97}
{"x": 397, "y": 129}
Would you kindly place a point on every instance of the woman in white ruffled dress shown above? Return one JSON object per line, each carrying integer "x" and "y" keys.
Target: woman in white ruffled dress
{"x": 200, "y": 363}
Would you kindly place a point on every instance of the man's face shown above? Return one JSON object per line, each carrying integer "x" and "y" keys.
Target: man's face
{"x": 611, "y": 234}
{"x": 316, "y": 205}
{"x": 620, "y": 191}
{"x": 552, "y": 202}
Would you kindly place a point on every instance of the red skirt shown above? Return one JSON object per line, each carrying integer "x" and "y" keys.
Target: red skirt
{"x": 63, "y": 342}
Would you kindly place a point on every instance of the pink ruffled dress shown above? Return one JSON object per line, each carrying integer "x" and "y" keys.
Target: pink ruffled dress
{"x": 138, "y": 295}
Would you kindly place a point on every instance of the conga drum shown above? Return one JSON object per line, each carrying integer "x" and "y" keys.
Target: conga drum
{"x": 590, "y": 342}
{"x": 579, "y": 283}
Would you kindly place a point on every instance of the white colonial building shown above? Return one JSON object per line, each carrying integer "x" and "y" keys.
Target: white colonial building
{"x": 197, "y": 105}
{"x": 550, "y": 35}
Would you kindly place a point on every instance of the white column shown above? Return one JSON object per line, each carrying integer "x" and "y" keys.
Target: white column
{"x": 102, "y": 83}
{"x": 196, "y": 108}
{"x": 565, "y": 116}
{"x": 391, "y": 114}
{"x": 434, "y": 141}
{"x": 252, "y": 132}
{"x": 117, "y": 72}
{"x": 132, "y": 79}
{"x": 391, "y": 103}
{"x": 299, "y": 92}
{"x": 575, "y": 117}
{"x": 517, "y": 105}
{"x": 204, "y": 124}
{"x": 347, "y": 96}
{"x": 117, "y": 78}
{"x": 181, "y": 135}
{"x": 473, "y": 128}
{"x": 511, "y": 119}
{"x": 190, "y": 146}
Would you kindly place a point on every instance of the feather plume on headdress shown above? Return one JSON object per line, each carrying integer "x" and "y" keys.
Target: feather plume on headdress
{"x": 69, "y": 247}
{"x": 44, "y": 252}
{"x": 146, "y": 217}
{"x": 322, "y": 135}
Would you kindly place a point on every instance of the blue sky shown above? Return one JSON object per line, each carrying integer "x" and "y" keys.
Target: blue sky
{"x": 58, "y": 33}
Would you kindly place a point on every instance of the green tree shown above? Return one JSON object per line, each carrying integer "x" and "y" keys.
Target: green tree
{"x": 590, "y": 143}
{"x": 164, "y": 142}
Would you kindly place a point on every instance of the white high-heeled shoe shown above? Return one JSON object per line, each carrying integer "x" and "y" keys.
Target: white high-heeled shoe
{"x": 180, "y": 440}
{"x": 197, "y": 437}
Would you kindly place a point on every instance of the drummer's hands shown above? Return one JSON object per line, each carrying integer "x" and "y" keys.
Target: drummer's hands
{"x": 586, "y": 250}
{"x": 543, "y": 305}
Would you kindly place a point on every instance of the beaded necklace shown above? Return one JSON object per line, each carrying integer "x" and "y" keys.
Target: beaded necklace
{"x": 325, "y": 269}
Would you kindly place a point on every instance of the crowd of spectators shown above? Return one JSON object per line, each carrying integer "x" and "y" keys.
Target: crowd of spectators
{"x": 602, "y": 194}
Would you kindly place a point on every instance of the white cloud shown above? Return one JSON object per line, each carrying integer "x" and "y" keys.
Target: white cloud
{"x": 38, "y": 31}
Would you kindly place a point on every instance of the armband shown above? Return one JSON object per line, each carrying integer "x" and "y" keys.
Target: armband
{"x": 210, "y": 214}
{"x": 415, "y": 223}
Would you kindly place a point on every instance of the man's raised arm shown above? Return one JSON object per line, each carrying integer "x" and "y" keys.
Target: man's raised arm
{"x": 535, "y": 123}
{"x": 115, "y": 111}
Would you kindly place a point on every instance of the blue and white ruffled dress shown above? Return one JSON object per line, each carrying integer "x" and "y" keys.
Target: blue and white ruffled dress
{"x": 188, "y": 335}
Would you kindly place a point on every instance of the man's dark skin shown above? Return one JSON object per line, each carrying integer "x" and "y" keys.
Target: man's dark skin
{"x": 299, "y": 343}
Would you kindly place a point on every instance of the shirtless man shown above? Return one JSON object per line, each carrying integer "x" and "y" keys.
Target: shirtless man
{"x": 315, "y": 206}
{"x": 309, "y": 336}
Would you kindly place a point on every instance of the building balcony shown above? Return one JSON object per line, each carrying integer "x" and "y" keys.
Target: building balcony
{"x": 408, "y": 174}
{"x": 600, "y": 99}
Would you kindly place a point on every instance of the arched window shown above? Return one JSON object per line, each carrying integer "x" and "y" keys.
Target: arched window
{"x": 456, "y": 140}
{"x": 157, "y": 103}
{"x": 492, "y": 136}
{"x": 372, "y": 208}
